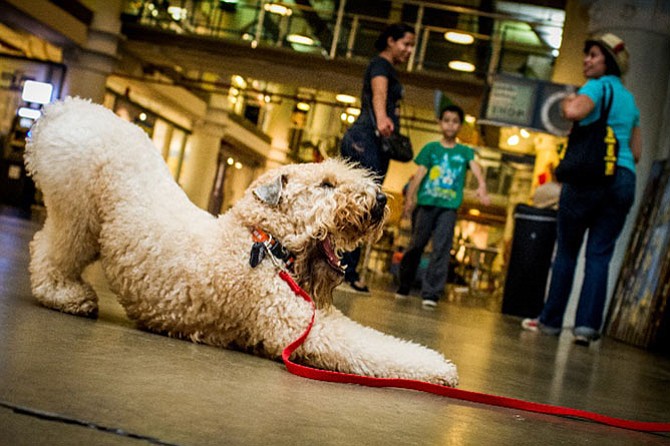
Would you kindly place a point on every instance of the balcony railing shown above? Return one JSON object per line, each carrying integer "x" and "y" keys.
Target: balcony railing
{"x": 460, "y": 41}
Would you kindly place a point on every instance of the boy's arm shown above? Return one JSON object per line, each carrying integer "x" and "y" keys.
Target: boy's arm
{"x": 482, "y": 194}
{"x": 412, "y": 189}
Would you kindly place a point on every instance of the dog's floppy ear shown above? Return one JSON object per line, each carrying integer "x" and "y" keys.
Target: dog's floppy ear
{"x": 270, "y": 193}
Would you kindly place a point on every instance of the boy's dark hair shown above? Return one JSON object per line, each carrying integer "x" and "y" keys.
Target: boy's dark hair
{"x": 612, "y": 67}
{"x": 396, "y": 31}
{"x": 454, "y": 109}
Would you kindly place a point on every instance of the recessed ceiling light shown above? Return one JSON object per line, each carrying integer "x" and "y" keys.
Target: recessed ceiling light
{"x": 303, "y": 106}
{"x": 459, "y": 65}
{"x": 300, "y": 39}
{"x": 345, "y": 98}
{"x": 460, "y": 38}
{"x": 276, "y": 8}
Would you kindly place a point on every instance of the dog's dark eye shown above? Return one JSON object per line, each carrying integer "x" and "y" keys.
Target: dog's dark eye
{"x": 327, "y": 184}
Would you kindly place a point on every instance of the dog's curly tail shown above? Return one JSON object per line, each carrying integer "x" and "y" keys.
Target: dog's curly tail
{"x": 49, "y": 138}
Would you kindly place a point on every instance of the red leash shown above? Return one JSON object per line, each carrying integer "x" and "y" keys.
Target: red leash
{"x": 475, "y": 397}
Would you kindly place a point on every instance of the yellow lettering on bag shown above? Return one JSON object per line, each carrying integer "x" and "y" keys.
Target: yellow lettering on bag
{"x": 610, "y": 152}
{"x": 561, "y": 151}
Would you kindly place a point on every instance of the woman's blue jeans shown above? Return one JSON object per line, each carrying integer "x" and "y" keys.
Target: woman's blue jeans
{"x": 602, "y": 212}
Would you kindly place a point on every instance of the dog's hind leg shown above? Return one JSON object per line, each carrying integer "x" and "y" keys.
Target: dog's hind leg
{"x": 58, "y": 255}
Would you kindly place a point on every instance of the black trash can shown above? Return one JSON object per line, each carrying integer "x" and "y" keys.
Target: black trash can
{"x": 530, "y": 260}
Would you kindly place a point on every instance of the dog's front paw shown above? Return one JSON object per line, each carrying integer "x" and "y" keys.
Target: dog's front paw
{"x": 448, "y": 376}
{"x": 87, "y": 309}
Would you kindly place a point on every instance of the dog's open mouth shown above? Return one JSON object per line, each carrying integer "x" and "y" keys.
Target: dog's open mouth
{"x": 328, "y": 250}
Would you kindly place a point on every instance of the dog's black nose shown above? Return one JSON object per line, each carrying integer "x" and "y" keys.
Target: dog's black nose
{"x": 381, "y": 199}
{"x": 377, "y": 212}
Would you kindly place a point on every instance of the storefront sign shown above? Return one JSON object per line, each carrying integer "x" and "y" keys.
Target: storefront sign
{"x": 528, "y": 103}
{"x": 511, "y": 102}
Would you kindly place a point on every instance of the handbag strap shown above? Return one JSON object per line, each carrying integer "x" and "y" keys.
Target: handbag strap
{"x": 605, "y": 108}
{"x": 374, "y": 121}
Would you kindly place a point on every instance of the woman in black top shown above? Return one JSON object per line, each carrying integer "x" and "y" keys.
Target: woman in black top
{"x": 380, "y": 101}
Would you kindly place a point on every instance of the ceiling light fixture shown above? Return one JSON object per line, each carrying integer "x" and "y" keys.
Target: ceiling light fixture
{"x": 458, "y": 37}
{"x": 460, "y": 65}
{"x": 276, "y": 8}
{"x": 303, "y": 106}
{"x": 300, "y": 39}
{"x": 345, "y": 98}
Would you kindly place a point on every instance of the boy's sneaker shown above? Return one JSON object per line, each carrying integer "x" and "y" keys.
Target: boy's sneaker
{"x": 531, "y": 324}
{"x": 429, "y": 303}
{"x": 535, "y": 325}
{"x": 402, "y": 293}
{"x": 359, "y": 287}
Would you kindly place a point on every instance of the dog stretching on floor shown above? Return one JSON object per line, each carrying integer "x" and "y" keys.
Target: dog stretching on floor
{"x": 180, "y": 271}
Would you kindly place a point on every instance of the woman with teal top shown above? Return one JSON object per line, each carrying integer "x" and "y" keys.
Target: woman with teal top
{"x": 600, "y": 210}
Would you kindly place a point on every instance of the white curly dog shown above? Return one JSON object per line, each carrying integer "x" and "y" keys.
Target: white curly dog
{"x": 180, "y": 271}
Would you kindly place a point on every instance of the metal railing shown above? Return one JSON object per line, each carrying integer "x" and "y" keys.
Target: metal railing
{"x": 497, "y": 42}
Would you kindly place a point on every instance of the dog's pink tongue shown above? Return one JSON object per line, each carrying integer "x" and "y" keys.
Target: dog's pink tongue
{"x": 333, "y": 260}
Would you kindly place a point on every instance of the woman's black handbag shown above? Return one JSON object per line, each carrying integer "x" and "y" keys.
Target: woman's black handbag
{"x": 592, "y": 151}
{"x": 398, "y": 147}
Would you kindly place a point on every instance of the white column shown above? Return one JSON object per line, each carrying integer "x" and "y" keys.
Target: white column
{"x": 645, "y": 27}
{"x": 198, "y": 174}
{"x": 89, "y": 65}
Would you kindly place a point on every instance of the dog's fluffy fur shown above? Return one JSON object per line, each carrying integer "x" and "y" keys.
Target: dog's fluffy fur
{"x": 180, "y": 271}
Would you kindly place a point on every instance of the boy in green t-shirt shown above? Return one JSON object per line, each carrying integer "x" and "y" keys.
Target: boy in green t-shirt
{"x": 437, "y": 190}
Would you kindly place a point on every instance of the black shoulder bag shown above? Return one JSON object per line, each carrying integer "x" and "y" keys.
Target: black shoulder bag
{"x": 398, "y": 147}
{"x": 592, "y": 151}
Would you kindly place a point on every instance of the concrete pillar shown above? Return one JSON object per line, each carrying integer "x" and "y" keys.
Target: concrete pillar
{"x": 197, "y": 177}
{"x": 89, "y": 65}
{"x": 645, "y": 27}
{"x": 278, "y": 125}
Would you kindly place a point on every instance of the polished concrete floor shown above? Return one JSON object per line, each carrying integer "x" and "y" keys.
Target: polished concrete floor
{"x": 66, "y": 380}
